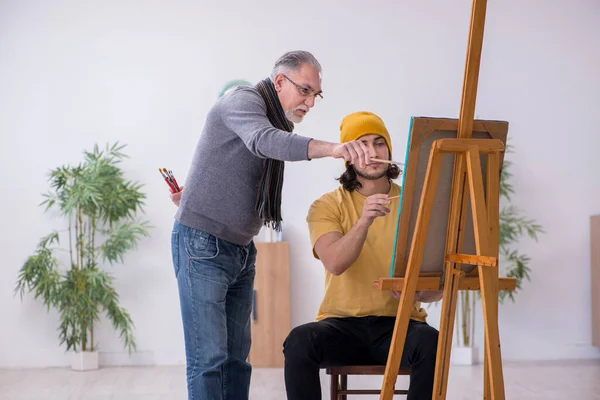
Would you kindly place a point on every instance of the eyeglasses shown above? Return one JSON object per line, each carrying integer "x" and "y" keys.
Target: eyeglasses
{"x": 306, "y": 92}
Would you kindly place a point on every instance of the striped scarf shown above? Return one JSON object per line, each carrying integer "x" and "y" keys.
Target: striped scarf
{"x": 268, "y": 199}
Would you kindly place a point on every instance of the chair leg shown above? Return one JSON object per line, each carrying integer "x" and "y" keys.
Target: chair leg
{"x": 343, "y": 385}
{"x": 334, "y": 387}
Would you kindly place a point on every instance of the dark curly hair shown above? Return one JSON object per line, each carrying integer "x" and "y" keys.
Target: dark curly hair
{"x": 350, "y": 183}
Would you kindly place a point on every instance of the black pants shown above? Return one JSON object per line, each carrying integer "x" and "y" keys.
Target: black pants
{"x": 356, "y": 341}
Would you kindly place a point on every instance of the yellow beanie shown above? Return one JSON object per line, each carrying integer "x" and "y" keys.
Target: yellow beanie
{"x": 363, "y": 123}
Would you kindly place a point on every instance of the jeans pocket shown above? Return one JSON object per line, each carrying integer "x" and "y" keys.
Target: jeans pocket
{"x": 175, "y": 251}
{"x": 201, "y": 245}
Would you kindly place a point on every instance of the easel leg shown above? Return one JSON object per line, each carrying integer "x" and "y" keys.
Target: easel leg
{"x": 487, "y": 391}
{"x": 488, "y": 276}
{"x": 449, "y": 301}
{"x": 489, "y": 299}
{"x": 493, "y": 214}
{"x": 454, "y": 240}
{"x": 412, "y": 275}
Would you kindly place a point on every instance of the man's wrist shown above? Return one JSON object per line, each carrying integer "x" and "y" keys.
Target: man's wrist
{"x": 364, "y": 223}
{"x": 320, "y": 149}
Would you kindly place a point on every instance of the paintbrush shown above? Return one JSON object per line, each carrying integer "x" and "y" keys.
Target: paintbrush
{"x": 169, "y": 173}
{"x": 386, "y": 161}
{"x": 170, "y": 180}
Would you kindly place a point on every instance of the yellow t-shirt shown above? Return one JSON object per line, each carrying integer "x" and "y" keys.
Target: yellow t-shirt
{"x": 351, "y": 293}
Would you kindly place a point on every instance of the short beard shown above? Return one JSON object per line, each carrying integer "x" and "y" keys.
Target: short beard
{"x": 293, "y": 117}
{"x": 374, "y": 176}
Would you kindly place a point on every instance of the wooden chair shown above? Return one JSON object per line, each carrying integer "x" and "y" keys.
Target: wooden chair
{"x": 339, "y": 380}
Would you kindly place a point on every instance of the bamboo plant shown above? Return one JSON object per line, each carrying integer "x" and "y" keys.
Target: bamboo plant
{"x": 100, "y": 207}
{"x": 513, "y": 226}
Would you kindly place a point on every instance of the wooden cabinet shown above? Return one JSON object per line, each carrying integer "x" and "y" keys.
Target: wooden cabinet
{"x": 270, "y": 317}
{"x": 595, "y": 277}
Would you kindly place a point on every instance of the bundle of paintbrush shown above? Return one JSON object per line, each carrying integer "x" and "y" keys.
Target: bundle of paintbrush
{"x": 170, "y": 179}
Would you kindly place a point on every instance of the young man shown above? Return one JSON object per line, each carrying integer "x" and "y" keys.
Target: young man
{"x": 352, "y": 232}
{"x": 233, "y": 188}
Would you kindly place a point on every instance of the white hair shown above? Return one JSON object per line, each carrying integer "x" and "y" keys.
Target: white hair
{"x": 292, "y": 61}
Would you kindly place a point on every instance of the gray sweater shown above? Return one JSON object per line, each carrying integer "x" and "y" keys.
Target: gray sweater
{"x": 222, "y": 184}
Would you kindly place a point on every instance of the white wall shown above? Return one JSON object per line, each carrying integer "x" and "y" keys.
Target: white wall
{"x": 146, "y": 73}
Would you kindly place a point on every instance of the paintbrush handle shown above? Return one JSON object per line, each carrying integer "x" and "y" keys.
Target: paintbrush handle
{"x": 172, "y": 186}
{"x": 386, "y": 161}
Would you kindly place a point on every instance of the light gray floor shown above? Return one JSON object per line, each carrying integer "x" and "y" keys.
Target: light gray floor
{"x": 567, "y": 380}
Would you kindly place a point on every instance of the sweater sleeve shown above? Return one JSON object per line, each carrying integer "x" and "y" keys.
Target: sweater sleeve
{"x": 245, "y": 113}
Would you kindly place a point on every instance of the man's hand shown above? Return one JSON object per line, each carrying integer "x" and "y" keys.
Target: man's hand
{"x": 356, "y": 152}
{"x": 176, "y": 197}
{"x": 396, "y": 294}
{"x": 375, "y": 206}
{"x": 431, "y": 296}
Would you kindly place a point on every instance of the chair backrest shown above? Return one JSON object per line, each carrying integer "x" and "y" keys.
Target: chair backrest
{"x": 339, "y": 380}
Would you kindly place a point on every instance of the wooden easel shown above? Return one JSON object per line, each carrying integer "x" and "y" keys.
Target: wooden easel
{"x": 467, "y": 185}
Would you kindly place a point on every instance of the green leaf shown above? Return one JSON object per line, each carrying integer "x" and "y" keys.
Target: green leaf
{"x": 122, "y": 238}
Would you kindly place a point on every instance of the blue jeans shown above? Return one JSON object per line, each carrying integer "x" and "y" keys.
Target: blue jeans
{"x": 215, "y": 280}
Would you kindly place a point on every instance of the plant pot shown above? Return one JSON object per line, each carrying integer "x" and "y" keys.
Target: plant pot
{"x": 84, "y": 360}
{"x": 464, "y": 356}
